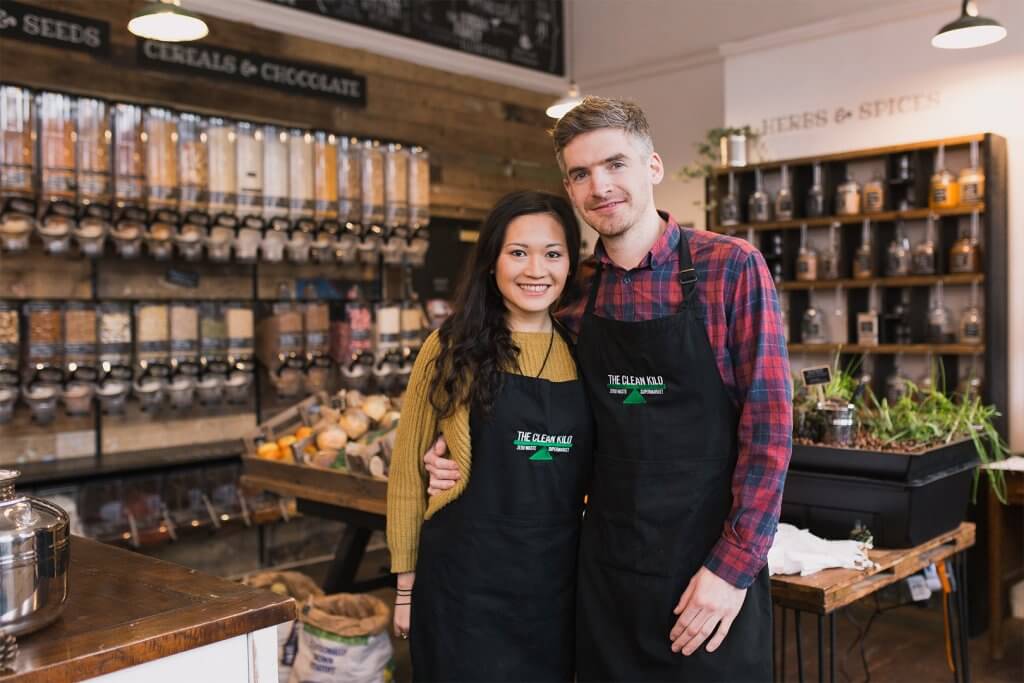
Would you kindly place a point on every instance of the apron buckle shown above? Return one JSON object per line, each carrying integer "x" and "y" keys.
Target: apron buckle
{"x": 687, "y": 276}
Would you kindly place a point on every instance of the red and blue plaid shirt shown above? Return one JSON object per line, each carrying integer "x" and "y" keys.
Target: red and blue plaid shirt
{"x": 744, "y": 325}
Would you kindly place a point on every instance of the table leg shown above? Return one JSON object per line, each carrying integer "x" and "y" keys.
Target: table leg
{"x": 782, "y": 667}
{"x": 995, "y": 574}
{"x": 341, "y": 574}
{"x": 960, "y": 569}
{"x": 821, "y": 648}
{"x": 832, "y": 646}
{"x": 799, "y": 648}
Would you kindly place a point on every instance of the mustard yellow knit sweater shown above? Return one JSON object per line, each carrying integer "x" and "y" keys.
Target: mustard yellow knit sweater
{"x": 419, "y": 427}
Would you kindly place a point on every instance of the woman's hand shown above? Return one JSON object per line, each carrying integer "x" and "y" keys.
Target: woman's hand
{"x": 403, "y": 604}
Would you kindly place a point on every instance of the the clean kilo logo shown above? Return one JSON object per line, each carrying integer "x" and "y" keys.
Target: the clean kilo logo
{"x": 542, "y": 445}
{"x": 635, "y": 388}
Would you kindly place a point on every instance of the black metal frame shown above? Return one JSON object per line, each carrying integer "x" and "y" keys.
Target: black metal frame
{"x": 958, "y": 626}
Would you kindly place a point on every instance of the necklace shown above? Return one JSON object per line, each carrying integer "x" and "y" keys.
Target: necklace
{"x": 547, "y": 354}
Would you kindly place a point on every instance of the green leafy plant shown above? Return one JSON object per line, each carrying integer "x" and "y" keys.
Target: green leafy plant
{"x": 924, "y": 417}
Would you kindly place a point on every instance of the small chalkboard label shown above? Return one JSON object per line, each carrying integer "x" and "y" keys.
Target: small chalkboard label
{"x": 182, "y": 278}
{"x": 818, "y": 375}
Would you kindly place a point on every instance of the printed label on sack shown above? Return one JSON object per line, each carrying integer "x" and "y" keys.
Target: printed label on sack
{"x": 635, "y": 387}
{"x": 542, "y": 445}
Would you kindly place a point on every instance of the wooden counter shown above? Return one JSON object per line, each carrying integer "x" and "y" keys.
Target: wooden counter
{"x": 126, "y": 609}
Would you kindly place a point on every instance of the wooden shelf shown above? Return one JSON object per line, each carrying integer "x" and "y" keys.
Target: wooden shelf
{"x": 891, "y": 282}
{"x": 856, "y": 155}
{"x": 825, "y": 221}
{"x": 890, "y": 349}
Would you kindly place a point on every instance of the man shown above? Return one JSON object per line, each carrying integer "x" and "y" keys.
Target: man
{"x": 681, "y": 347}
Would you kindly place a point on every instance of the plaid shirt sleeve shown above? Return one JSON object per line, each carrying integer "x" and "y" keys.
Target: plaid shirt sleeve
{"x": 762, "y": 385}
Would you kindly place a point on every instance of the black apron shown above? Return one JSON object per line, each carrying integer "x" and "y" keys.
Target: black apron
{"x": 661, "y": 492}
{"x": 494, "y": 598}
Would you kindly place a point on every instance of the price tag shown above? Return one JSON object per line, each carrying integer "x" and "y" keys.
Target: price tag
{"x": 918, "y": 586}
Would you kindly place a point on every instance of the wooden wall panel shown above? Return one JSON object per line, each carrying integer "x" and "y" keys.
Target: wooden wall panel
{"x": 476, "y": 130}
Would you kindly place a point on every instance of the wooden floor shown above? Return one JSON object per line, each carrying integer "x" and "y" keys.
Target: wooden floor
{"x": 904, "y": 645}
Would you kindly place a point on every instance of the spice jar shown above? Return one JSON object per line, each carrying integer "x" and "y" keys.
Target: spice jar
{"x": 848, "y": 197}
{"x": 223, "y": 166}
{"x": 812, "y": 326}
{"x": 864, "y": 259}
{"x": 300, "y": 175}
{"x": 325, "y": 176}
{"x": 924, "y": 262}
{"x": 898, "y": 256}
{"x": 162, "y": 158}
{"x": 372, "y": 177}
{"x": 17, "y": 167}
{"x": 807, "y": 259}
{"x": 250, "y": 169}
{"x": 396, "y": 185}
{"x": 275, "y": 173}
{"x": 874, "y": 194}
{"x": 972, "y": 180}
{"x": 965, "y": 254}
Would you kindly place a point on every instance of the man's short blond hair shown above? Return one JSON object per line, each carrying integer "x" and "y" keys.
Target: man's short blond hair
{"x": 595, "y": 113}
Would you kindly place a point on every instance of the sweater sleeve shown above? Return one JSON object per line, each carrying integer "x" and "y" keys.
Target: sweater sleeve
{"x": 407, "y": 479}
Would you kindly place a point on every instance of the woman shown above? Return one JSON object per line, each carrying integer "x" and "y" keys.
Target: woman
{"x": 486, "y": 571}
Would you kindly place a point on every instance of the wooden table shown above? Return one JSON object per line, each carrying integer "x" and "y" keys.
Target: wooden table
{"x": 359, "y": 502}
{"x": 828, "y": 591}
{"x": 997, "y": 578}
{"x": 126, "y": 609}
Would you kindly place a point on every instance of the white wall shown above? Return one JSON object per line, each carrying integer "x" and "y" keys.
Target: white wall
{"x": 680, "y": 106}
{"x": 958, "y": 92}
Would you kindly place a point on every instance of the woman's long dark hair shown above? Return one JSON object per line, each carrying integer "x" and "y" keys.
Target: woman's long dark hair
{"x": 476, "y": 344}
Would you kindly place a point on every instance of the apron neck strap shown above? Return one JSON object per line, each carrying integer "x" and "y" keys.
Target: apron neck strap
{"x": 687, "y": 274}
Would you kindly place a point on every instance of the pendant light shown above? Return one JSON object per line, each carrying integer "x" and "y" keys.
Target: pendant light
{"x": 166, "y": 21}
{"x": 562, "y": 106}
{"x": 970, "y": 30}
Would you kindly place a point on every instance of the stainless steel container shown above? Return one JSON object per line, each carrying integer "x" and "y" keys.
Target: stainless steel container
{"x": 34, "y": 557}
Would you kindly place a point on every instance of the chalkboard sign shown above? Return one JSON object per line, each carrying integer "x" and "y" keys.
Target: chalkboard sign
{"x": 818, "y": 375}
{"x": 527, "y": 33}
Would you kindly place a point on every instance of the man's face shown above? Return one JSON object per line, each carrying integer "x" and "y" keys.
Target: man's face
{"x": 610, "y": 179}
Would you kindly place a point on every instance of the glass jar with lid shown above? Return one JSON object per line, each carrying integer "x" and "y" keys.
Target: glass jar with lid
{"x": 729, "y": 205}
{"x": 759, "y": 208}
{"x": 816, "y": 206}
{"x": 812, "y": 326}
{"x": 372, "y": 177}
{"x": 874, "y": 194}
{"x": 972, "y": 180}
{"x": 898, "y": 256}
{"x": 17, "y": 167}
{"x": 940, "y": 320}
{"x": 807, "y": 259}
{"x": 396, "y": 185}
{"x": 301, "y": 175}
{"x": 831, "y": 257}
{"x": 965, "y": 254}
{"x": 848, "y": 197}
{"x": 223, "y": 177}
{"x": 325, "y": 176}
{"x": 924, "y": 253}
{"x": 864, "y": 259}
{"x": 419, "y": 187}
{"x": 161, "y": 136}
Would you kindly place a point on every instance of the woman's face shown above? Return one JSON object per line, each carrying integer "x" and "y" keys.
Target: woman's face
{"x": 532, "y": 268}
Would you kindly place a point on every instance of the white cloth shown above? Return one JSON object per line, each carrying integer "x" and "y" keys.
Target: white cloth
{"x": 798, "y": 551}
